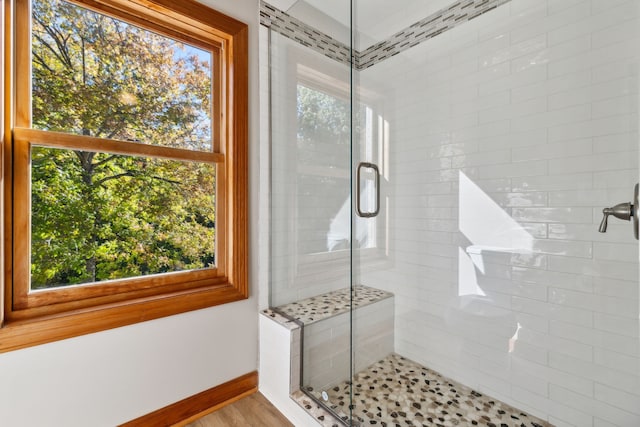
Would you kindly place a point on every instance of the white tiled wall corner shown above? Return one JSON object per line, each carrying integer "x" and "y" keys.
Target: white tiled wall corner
{"x": 536, "y": 105}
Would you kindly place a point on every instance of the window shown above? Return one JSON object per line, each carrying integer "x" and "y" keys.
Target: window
{"x": 125, "y": 187}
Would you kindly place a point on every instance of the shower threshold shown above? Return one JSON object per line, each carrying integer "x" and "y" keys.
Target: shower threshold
{"x": 397, "y": 392}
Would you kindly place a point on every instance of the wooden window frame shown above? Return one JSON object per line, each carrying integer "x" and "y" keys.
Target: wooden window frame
{"x": 28, "y": 318}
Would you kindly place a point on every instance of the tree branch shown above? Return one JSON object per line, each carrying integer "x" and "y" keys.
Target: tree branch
{"x": 60, "y": 41}
{"x": 119, "y": 175}
{"x": 86, "y": 159}
{"x": 53, "y": 51}
{"x": 133, "y": 174}
{"x": 170, "y": 181}
{"x": 107, "y": 160}
{"x": 40, "y": 60}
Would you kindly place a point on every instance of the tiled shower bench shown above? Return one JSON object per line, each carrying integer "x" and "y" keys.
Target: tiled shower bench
{"x": 325, "y": 322}
{"x": 388, "y": 389}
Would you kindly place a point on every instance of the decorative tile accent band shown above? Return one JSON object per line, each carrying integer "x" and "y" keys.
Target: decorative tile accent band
{"x": 304, "y": 34}
{"x": 433, "y": 25}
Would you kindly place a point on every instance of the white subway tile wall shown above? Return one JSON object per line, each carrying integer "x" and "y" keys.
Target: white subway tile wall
{"x": 326, "y": 344}
{"x": 310, "y": 194}
{"x": 530, "y": 111}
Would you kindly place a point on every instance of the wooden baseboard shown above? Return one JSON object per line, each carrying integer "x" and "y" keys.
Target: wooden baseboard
{"x": 191, "y": 408}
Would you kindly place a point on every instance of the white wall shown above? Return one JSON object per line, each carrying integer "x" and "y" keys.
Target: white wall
{"x": 507, "y": 137}
{"x": 111, "y": 377}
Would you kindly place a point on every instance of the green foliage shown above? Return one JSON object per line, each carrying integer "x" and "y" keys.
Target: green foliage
{"x": 98, "y": 216}
{"x": 323, "y": 128}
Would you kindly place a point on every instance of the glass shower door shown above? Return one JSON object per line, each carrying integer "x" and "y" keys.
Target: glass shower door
{"x": 311, "y": 208}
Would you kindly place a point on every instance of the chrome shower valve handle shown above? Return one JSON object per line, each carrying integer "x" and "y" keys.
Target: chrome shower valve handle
{"x": 621, "y": 211}
{"x": 624, "y": 211}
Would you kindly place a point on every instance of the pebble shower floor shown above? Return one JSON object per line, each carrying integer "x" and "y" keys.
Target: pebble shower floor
{"x": 397, "y": 392}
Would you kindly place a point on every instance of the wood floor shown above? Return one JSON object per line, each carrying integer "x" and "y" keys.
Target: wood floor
{"x": 254, "y": 411}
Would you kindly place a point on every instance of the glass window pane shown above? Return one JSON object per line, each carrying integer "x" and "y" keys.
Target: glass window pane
{"x": 97, "y": 216}
{"x": 99, "y": 76}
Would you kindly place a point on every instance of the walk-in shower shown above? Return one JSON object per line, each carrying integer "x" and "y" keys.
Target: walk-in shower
{"x": 438, "y": 174}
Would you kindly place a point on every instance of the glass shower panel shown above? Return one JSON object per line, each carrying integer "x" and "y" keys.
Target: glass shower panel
{"x": 310, "y": 173}
{"x": 311, "y": 205}
{"x": 501, "y": 130}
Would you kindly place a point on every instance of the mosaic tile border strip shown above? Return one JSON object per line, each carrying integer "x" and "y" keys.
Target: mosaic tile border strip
{"x": 431, "y": 26}
{"x": 302, "y": 33}
{"x": 397, "y": 392}
{"x": 315, "y": 309}
{"x": 459, "y": 12}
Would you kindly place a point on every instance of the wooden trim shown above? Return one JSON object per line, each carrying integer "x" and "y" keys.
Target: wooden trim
{"x": 74, "y": 296}
{"x": 6, "y": 221}
{"x": 184, "y": 14}
{"x": 215, "y": 408}
{"x": 156, "y": 21}
{"x": 21, "y": 265}
{"x": 26, "y": 333}
{"x": 22, "y": 68}
{"x": 238, "y": 166}
{"x": 186, "y": 410}
{"x": 103, "y": 145}
{"x": 4, "y": 126}
{"x": 217, "y": 94}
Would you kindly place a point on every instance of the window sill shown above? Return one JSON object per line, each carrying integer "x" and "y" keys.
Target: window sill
{"x": 19, "y": 334}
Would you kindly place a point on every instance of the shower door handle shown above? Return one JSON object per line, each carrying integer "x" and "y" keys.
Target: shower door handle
{"x": 376, "y": 171}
